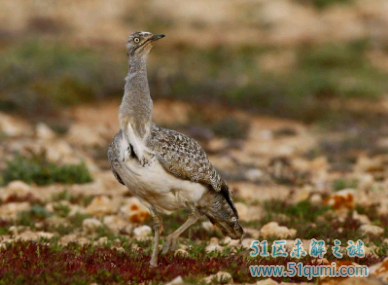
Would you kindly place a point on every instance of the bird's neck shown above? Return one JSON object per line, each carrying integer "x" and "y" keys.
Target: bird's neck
{"x": 136, "y": 102}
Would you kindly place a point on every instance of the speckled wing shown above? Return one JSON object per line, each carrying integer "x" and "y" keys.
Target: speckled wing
{"x": 113, "y": 156}
{"x": 183, "y": 157}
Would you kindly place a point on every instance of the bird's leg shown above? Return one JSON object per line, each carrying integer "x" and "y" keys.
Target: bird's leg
{"x": 171, "y": 240}
{"x": 158, "y": 228}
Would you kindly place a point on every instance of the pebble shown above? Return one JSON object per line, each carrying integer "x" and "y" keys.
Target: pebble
{"x": 90, "y": 225}
{"x": 142, "y": 231}
{"x": 100, "y": 205}
{"x": 371, "y": 229}
{"x": 273, "y": 229}
{"x": 220, "y": 277}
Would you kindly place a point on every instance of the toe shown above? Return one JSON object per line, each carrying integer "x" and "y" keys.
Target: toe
{"x": 174, "y": 243}
{"x": 166, "y": 246}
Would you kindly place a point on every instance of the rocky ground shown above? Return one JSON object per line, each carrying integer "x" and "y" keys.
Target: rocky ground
{"x": 64, "y": 219}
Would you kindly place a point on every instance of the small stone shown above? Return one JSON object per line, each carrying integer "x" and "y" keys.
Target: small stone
{"x": 341, "y": 199}
{"x": 176, "y": 281}
{"x": 371, "y": 229}
{"x": 119, "y": 249}
{"x": 181, "y": 252}
{"x": 208, "y": 226}
{"x": 10, "y": 210}
{"x": 142, "y": 231}
{"x": 45, "y": 235}
{"x": 27, "y": 236}
{"x": 266, "y": 135}
{"x": 242, "y": 210}
{"x": 322, "y": 261}
{"x": 380, "y": 270}
{"x": 273, "y": 229}
{"x": 68, "y": 238}
{"x": 363, "y": 219}
{"x": 18, "y": 187}
{"x": 134, "y": 211}
{"x": 61, "y": 151}
{"x": 33, "y": 236}
{"x": 220, "y": 277}
{"x": 267, "y": 281}
{"x": 102, "y": 240}
{"x": 253, "y": 233}
{"x": 44, "y": 132}
{"x": 84, "y": 135}
{"x": 246, "y": 242}
{"x": 15, "y": 230}
{"x": 254, "y": 174}
{"x": 226, "y": 240}
{"x": 213, "y": 245}
{"x": 100, "y": 205}
{"x": 114, "y": 223}
{"x": 316, "y": 199}
{"x": 13, "y": 127}
{"x": 90, "y": 225}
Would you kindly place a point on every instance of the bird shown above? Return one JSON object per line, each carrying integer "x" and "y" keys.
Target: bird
{"x": 163, "y": 168}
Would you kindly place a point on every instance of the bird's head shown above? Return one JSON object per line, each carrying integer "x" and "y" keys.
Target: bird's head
{"x": 139, "y": 44}
{"x": 227, "y": 223}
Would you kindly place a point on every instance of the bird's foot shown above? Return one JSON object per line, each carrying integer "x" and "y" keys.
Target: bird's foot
{"x": 170, "y": 244}
{"x": 154, "y": 261}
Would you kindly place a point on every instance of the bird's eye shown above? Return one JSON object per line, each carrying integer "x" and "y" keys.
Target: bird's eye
{"x": 136, "y": 40}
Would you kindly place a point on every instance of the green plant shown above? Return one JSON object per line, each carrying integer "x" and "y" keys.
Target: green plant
{"x": 341, "y": 184}
{"x": 40, "y": 76}
{"x": 37, "y": 169}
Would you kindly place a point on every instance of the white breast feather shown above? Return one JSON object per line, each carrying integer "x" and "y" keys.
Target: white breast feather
{"x": 154, "y": 185}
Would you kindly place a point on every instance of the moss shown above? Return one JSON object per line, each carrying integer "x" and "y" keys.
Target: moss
{"x": 39, "y": 263}
{"x": 341, "y": 184}
{"x": 302, "y": 210}
{"x": 37, "y": 169}
{"x": 323, "y": 4}
{"x": 29, "y": 218}
{"x": 41, "y": 77}
{"x": 231, "y": 128}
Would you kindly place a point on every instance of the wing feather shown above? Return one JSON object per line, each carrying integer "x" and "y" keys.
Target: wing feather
{"x": 183, "y": 157}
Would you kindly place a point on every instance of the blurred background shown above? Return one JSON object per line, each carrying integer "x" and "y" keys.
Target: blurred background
{"x": 311, "y": 60}
{"x": 321, "y": 63}
{"x": 289, "y": 98}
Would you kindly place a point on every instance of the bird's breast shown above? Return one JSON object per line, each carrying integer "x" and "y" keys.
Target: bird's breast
{"x": 157, "y": 187}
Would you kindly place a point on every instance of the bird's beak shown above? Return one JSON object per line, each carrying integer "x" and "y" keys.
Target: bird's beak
{"x": 156, "y": 37}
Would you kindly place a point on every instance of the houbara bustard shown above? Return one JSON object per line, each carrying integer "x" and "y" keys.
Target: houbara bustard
{"x": 165, "y": 169}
